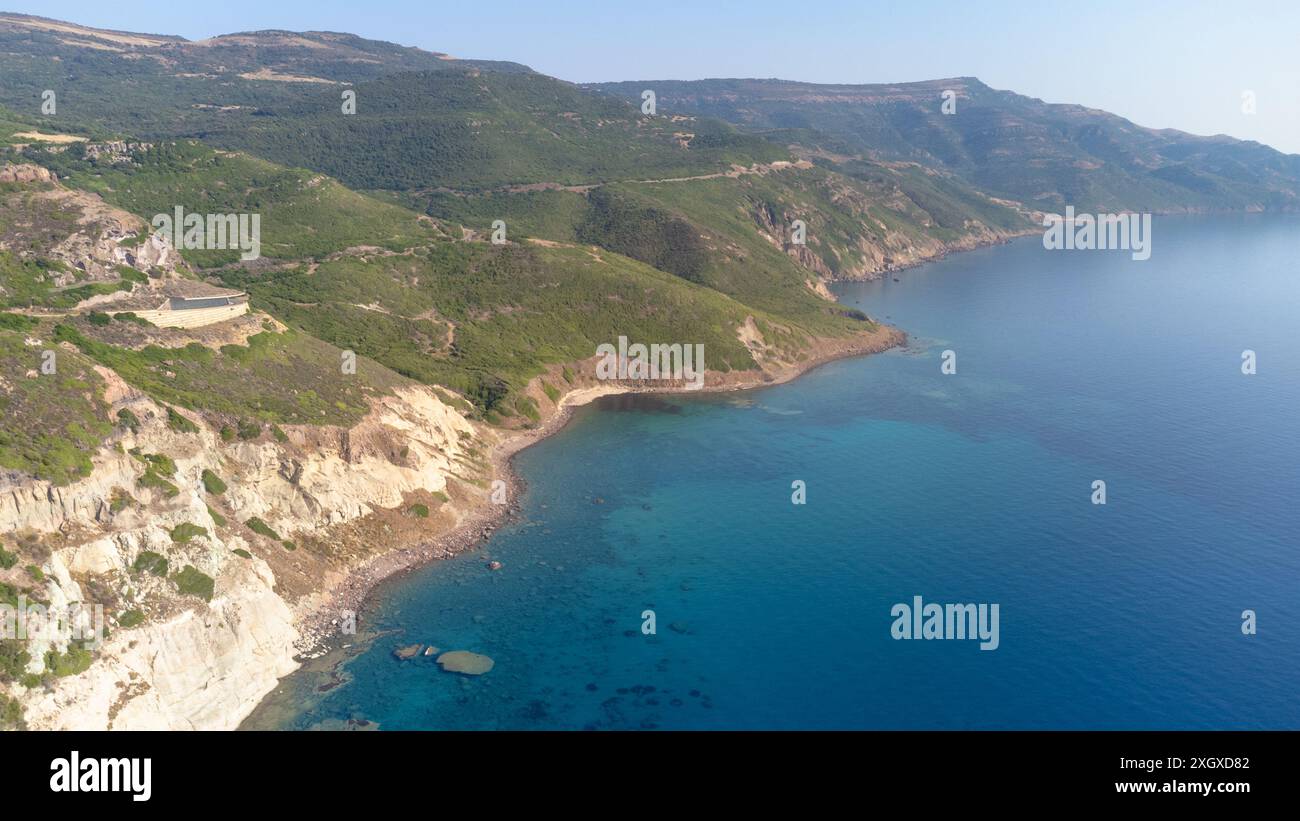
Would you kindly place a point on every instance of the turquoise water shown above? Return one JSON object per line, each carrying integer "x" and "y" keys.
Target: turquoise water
{"x": 973, "y": 487}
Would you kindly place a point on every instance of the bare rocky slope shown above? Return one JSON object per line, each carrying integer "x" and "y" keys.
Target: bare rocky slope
{"x": 193, "y": 664}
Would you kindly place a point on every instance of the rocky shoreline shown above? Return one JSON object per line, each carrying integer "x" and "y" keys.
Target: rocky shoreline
{"x": 319, "y": 625}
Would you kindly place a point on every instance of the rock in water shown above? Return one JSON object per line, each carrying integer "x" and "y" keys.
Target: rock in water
{"x": 407, "y": 651}
{"x": 465, "y": 662}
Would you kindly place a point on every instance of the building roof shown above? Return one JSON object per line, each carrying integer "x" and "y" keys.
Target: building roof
{"x": 186, "y": 303}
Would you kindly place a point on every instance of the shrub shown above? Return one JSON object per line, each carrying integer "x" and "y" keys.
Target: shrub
{"x": 288, "y": 545}
{"x": 192, "y": 582}
{"x": 16, "y": 322}
{"x": 150, "y": 562}
{"x": 75, "y": 661}
{"x": 527, "y": 406}
{"x": 419, "y": 510}
{"x": 14, "y": 659}
{"x": 128, "y": 420}
{"x": 217, "y": 518}
{"x": 182, "y": 533}
{"x": 249, "y": 429}
{"x": 261, "y": 528}
{"x": 7, "y": 559}
{"x": 239, "y": 551}
{"x": 212, "y": 483}
{"x": 119, "y": 500}
{"x": 280, "y": 436}
{"x": 130, "y": 274}
{"x": 11, "y": 714}
{"x": 35, "y": 572}
{"x": 132, "y": 316}
{"x": 153, "y": 480}
{"x": 98, "y": 318}
{"x": 159, "y": 463}
{"x": 130, "y": 618}
{"x": 552, "y": 393}
{"x": 227, "y": 433}
{"x": 177, "y": 422}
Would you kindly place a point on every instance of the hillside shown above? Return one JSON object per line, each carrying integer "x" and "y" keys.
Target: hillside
{"x": 478, "y": 130}
{"x": 1008, "y": 145}
{"x": 153, "y": 86}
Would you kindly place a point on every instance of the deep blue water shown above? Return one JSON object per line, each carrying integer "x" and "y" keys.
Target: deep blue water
{"x": 973, "y": 487}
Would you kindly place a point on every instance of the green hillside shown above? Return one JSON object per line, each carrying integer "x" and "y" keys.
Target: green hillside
{"x": 1006, "y": 144}
{"x": 484, "y": 319}
{"x": 480, "y": 130}
{"x": 159, "y": 86}
{"x": 303, "y": 214}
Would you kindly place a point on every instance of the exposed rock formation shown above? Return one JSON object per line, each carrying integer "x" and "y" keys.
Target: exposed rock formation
{"x": 194, "y": 663}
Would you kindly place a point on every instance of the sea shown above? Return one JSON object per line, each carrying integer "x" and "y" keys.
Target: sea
{"x": 741, "y": 560}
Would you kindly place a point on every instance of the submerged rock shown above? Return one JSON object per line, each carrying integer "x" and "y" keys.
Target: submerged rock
{"x": 407, "y": 651}
{"x": 465, "y": 662}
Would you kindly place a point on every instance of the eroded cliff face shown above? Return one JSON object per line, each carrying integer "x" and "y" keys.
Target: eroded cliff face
{"x": 875, "y": 246}
{"x": 88, "y": 236}
{"x": 191, "y": 663}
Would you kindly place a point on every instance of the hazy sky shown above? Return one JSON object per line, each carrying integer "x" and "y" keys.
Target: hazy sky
{"x": 1163, "y": 64}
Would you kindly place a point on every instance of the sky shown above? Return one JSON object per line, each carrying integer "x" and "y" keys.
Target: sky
{"x": 1160, "y": 63}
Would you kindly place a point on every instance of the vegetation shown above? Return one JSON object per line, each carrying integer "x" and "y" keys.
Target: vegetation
{"x": 184, "y": 532}
{"x": 53, "y": 423}
{"x": 150, "y": 562}
{"x": 150, "y": 479}
{"x": 483, "y": 320}
{"x": 177, "y": 422}
{"x": 11, "y": 714}
{"x": 212, "y": 483}
{"x": 1001, "y": 143}
{"x": 191, "y": 582}
{"x": 76, "y": 660}
{"x": 472, "y": 130}
{"x": 130, "y": 618}
{"x": 119, "y": 500}
{"x": 128, "y": 420}
{"x": 217, "y": 518}
{"x": 287, "y": 378}
{"x": 261, "y": 528}
{"x": 301, "y": 214}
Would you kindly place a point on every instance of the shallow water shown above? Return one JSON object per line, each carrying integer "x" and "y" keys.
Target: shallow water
{"x": 973, "y": 487}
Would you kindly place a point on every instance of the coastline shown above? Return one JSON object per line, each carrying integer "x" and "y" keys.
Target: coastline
{"x": 318, "y": 622}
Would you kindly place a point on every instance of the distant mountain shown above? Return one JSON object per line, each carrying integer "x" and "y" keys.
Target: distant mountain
{"x": 153, "y": 85}
{"x": 478, "y": 130}
{"x": 1044, "y": 155}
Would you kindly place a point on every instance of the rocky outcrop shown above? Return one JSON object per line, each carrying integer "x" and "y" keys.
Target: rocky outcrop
{"x": 89, "y": 237}
{"x": 195, "y": 663}
{"x": 203, "y": 668}
{"x": 26, "y": 173}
